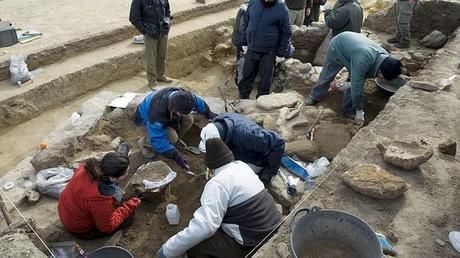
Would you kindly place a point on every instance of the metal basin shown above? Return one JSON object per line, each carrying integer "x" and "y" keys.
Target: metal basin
{"x": 332, "y": 234}
{"x": 390, "y": 87}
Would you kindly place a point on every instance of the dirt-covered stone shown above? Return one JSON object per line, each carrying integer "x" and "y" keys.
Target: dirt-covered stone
{"x": 373, "y": 181}
{"x": 292, "y": 74}
{"x": 406, "y": 155}
{"x": 448, "y": 146}
{"x": 423, "y": 85}
{"x": 307, "y": 40}
{"x": 322, "y": 50}
{"x": 277, "y": 100}
{"x": 304, "y": 149}
{"x": 32, "y": 196}
{"x": 19, "y": 245}
{"x": 435, "y": 39}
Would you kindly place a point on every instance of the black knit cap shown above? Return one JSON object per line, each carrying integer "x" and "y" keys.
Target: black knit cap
{"x": 182, "y": 102}
{"x": 114, "y": 164}
{"x": 390, "y": 68}
{"x": 217, "y": 153}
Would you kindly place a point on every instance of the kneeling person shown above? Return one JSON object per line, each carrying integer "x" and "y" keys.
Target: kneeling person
{"x": 166, "y": 115}
{"x": 88, "y": 206}
{"x": 236, "y": 212}
{"x": 259, "y": 148}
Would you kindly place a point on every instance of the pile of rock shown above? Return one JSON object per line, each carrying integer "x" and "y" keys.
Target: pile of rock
{"x": 292, "y": 74}
{"x": 412, "y": 61}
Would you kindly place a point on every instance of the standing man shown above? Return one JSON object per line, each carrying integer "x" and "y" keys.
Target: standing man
{"x": 235, "y": 215}
{"x": 166, "y": 116}
{"x": 296, "y": 9}
{"x": 404, "y": 11}
{"x": 261, "y": 149}
{"x": 347, "y": 15}
{"x": 363, "y": 59}
{"x": 267, "y": 35}
{"x": 152, "y": 19}
{"x": 312, "y": 11}
{"x": 238, "y": 31}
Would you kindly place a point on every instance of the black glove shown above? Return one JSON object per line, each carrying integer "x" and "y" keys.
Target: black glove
{"x": 265, "y": 178}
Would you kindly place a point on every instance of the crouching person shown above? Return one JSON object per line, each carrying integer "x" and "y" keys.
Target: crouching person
{"x": 236, "y": 211}
{"x": 91, "y": 205}
{"x": 166, "y": 116}
{"x": 261, "y": 149}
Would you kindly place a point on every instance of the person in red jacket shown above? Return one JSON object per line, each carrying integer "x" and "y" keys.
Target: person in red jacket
{"x": 91, "y": 204}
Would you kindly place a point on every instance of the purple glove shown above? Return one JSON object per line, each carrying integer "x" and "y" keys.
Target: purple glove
{"x": 182, "y": 162}
{"x": 212, "y": 115}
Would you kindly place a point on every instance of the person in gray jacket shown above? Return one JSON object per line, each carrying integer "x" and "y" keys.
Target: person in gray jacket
{"x": 347, "y": 15}
{"x": 296, "y": 10}
{"x": 235, "y": 215}
{"x": 404, "y": 11}
{"x": 363, "y": 59}
{"x": 152, "y": 19}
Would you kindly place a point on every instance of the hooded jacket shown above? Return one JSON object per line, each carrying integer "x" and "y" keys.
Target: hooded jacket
{"x": 155, "y": 115}
{"x": 238, "y": 28}
{"x": 83, "y": 209}
{"x": 267, "y": 29}
{"x": 234, "y": 200}
{"x": 347, "y": 15}
{"x": 361, "y": 56}
{"x": 249, "y": 142}
{"x": 151, "y": 17}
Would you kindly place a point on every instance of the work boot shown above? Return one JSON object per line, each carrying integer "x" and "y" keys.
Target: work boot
{"x": 310, "y": 101}
{"x": 394, "y": 40}
{"x": 402, "y": 44}
{"x": 146, "y": 152}
{"x": 165, "y": 79}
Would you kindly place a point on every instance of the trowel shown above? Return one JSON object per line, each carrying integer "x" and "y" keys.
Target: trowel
{"x": 191, "y": 149}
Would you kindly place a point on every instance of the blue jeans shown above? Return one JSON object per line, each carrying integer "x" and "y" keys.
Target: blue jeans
{"x": 331, "y": 68}
{"x": 255, "y": 61}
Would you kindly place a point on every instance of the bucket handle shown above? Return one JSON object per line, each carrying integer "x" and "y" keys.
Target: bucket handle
{"x": 307, "y": 210}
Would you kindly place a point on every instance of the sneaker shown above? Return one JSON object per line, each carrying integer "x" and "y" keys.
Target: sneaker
{"x": 165, "y": 79}
{"x": 394, "y": 40}
{"x": 454, "y": 239}
{"x": 310, "y": 102}
{"x": 402, "y": 44}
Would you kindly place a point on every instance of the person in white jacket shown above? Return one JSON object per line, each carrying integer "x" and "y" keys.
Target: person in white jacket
{"x": 236, "y": 212}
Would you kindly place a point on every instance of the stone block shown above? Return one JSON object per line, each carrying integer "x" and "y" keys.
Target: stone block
{"x": 304, "y": 149}
{"x": 23, "y": 170}
{"x": 64, "y": 140}
{"x": 435, "y": 39}
{"x": 406, "y": 155}
{"x": 292, "y": 75}
{"x": 448, "y": 146}
{"x": 277, "y": 100}
{"x": 423, "y": 85}
{"x": 308, "y": 39}
{"x": 373, "y": 181}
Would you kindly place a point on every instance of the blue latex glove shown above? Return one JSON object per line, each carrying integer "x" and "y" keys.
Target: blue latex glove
{"x": 182, "y": 162}
{"x": 161, "y": 254}
{"x": 211, "y": 115}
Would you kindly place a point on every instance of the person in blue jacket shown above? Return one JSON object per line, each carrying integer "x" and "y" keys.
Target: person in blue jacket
{"x": 363, "y": 59}
{"x": 266, "y": 35}
{"x": 166, "y": 116}
{"x": 261, "y": 149}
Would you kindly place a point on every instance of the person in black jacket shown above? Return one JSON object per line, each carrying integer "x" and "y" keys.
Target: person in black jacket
{"x": 152, "y": 19}
{"x": 261, "y": 149}
{"x": 267, "y": 35}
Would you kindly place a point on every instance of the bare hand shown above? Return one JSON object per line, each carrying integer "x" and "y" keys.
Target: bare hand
{"x": 307, "y": 11}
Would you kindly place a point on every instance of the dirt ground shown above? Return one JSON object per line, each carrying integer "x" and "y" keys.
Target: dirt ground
{"x": 60, "y": 23}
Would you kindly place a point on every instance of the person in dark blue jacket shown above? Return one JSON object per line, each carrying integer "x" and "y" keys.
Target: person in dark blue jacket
{"x": 166, "y": 116}
{"x": 261, "y": 149}
{"x": 266, "y": 35}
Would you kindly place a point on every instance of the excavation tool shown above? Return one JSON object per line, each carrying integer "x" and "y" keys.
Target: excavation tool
{"x": 295, "y": 112}
{"x": 231, "y": 105}
{"x": 291, "y": 187}
{"x": 311, "y": 130}
{"x": 191, "y": 149}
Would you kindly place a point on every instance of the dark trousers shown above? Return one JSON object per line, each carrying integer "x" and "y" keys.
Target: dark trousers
{"x": 253, "y": 63}
{"x": 94, "y": 234}
{"x": 219, "y": 245}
